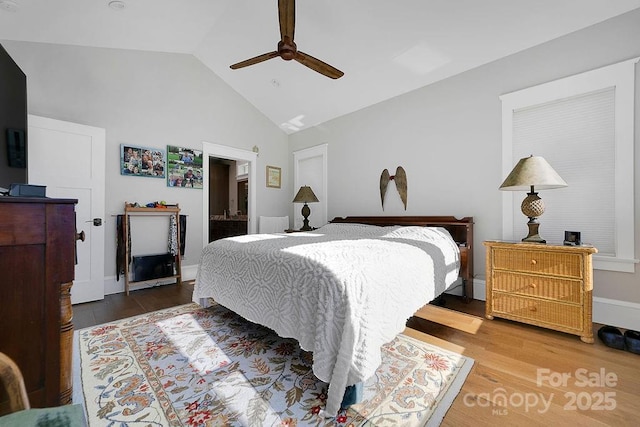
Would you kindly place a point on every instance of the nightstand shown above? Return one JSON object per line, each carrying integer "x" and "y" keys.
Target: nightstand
{"x": 543, "y": 285}
{"x": 292, "y": 230}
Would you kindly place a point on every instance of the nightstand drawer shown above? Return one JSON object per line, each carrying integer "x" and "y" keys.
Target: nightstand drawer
{"x": 554, "y": 263}
{"x": 565, "y": 290}
{"x": 538, "y": 311}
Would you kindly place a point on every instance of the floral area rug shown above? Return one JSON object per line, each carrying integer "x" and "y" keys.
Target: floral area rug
{"x": 190, "y": 366}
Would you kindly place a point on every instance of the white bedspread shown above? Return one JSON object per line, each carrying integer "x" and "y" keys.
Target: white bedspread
{"x": 342, "y": 290}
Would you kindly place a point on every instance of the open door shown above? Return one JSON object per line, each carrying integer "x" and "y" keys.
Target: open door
{"x": 68, "y": 158}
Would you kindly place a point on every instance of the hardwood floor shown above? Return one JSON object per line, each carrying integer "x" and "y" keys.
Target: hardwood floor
{"x": 539, "y": 376}
{"x": 120, "y": 306}
{"x": 523, "y": 375}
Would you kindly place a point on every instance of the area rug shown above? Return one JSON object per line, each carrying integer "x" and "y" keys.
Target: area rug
{"x": 190, "y": 366}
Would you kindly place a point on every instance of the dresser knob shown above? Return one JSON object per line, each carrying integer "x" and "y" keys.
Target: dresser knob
{"x": 533, "y": 285}
{"x": 533, "y": 308}
{"x": 534, "y": 262}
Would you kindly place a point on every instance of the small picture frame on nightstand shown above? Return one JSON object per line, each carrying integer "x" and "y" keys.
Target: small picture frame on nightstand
{"x": 572, "y": 238}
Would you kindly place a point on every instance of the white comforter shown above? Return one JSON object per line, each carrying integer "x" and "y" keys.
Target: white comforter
{"x": 342, "y": 290}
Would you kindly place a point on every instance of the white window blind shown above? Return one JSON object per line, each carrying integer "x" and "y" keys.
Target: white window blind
{"x": 583, "y": 125}
{"x": 576, "y": 136}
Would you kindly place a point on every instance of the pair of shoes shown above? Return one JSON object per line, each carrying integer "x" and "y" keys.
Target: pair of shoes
{"x": 611, "y": 337}
{"x": 632, "y": 341}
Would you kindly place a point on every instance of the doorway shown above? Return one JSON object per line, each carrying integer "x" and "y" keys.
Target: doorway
{"x": 50, "y": 144}
{"x": 228, "y": 195}
{"x": 239, "y": 156}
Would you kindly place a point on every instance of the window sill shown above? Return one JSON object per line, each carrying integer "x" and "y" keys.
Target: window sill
{"x": 608, "y": 263}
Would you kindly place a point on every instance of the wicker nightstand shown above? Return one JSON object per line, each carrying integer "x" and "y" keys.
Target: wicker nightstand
{"x": 543, "y": 285}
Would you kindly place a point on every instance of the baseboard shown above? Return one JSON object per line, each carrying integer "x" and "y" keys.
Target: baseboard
{"x": 618, "y": 313}
{"x": 113, "y": 286}
{"x": 189, "y": 272}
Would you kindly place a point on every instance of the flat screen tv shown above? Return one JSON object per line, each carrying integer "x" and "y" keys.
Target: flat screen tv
{"x": 13, "y": 122}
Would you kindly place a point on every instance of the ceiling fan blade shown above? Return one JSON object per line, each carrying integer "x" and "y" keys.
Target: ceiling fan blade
{"x": 255, "y": 60}
{"x": 317, "y": 65}
{"x": 287, "y": 15}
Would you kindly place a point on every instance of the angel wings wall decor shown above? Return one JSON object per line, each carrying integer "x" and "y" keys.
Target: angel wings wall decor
{"x": 400, "y": 179}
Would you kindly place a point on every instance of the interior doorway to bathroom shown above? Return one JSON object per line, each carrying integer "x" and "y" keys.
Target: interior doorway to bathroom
{"x": 229, "y": 196}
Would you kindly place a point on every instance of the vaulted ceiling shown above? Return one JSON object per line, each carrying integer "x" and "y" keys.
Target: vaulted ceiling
{"x": 385, "y": 48}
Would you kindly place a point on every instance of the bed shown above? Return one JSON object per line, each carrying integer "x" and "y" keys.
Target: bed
{"x": 342, "y": 290}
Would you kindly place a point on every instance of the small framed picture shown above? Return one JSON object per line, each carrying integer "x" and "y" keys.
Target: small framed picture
{"x": 274, "y": 176}
{"x": 572, "y": 238}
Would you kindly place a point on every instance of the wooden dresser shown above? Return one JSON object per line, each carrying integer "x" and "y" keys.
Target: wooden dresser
{"x": 37, "y": 259}
{"x": 543, "y": 285}
{"x": 221, "y": 228}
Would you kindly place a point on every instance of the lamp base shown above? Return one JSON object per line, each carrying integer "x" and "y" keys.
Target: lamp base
{"x": 306, "y": 211}
{"x": 533, "y": 236}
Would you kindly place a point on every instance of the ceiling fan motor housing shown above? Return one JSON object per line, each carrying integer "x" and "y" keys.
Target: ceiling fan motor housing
{"x": 287, "y": 49}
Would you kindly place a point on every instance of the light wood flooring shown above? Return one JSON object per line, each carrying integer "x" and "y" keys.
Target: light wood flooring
{"x": 522, "y": 376}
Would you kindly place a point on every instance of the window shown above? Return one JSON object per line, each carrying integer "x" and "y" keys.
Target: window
{"x": 583, "y": 126}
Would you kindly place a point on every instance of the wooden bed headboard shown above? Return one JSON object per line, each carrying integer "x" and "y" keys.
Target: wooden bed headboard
{"x": 460, "y": 229}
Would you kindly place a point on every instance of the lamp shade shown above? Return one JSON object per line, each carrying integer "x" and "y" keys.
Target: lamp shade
{"x": 305, "y": 195}
{"x": 532, "y": 171}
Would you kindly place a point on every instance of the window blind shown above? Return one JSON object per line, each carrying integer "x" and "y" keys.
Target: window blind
{"x": 576, "y": 135}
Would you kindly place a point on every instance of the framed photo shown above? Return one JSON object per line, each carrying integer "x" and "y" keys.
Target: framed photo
{"x": 141, "y": 161}
{"x": 274, "y": 176}
{"x": 184, "y": 167}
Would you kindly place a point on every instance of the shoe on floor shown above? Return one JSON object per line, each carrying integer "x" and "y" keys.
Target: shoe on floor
{"x": 632, "y": 341}
{"x": 612, "y": 337}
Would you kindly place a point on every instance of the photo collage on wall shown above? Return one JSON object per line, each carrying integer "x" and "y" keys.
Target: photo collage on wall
{"x": 185, "y": 167}
{"x": 142, "y": 161}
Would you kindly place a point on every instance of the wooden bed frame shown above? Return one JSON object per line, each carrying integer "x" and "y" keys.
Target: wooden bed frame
{"x": 460, "y": 229}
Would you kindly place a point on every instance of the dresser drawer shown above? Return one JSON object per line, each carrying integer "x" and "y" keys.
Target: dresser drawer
{"x": 538, "y": 311}
{"x": 566, "y": 290}
{"x": 22, "y": 224}
{"x": 542, "y": 262}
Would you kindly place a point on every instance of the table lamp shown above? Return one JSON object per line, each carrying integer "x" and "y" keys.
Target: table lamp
{"x": 305, "y": 195}
{"x": 532, "y": 173}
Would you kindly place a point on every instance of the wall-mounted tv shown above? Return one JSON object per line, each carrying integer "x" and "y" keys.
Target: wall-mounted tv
{"x": 13, "y": 122}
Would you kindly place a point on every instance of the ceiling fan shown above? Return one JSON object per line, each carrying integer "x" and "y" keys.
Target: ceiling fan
{"x": 287, "y": 49}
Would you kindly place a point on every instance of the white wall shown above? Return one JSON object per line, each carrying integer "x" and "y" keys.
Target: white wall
{"x": 154, "y": 100}
{"x": 447, "y": 136}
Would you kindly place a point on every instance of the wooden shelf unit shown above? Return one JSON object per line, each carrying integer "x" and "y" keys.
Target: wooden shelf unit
{"x": 140, "y": 211}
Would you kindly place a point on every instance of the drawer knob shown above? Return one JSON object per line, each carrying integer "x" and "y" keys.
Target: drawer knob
{"x": 533, "y": 285}
{"x": 533, "y": 308}
{"x": 534, "y": 262}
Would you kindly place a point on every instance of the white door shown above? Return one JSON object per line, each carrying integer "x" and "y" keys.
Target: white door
{"x": 310, "y": 168}
{"x": 68, "y": 158}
